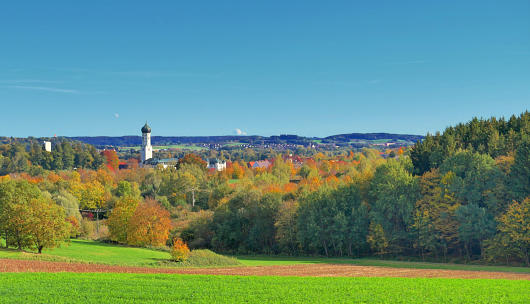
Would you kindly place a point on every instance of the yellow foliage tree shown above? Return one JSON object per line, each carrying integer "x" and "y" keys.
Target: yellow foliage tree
{"x": 149, "y": 225}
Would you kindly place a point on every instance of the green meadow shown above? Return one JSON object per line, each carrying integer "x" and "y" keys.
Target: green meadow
{"x": 95, "y": 252}
{"x": 163, "y": 288}
{"x": 85, "y": 251}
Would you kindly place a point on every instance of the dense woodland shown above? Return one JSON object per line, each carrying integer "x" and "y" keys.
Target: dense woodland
{"x": 460, "y": 195}
{"x": 27, "y": 155}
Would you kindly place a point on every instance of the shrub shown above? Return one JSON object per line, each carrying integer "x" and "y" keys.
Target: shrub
{"x": 207, "y": 258}
{"x": 180, "y": 251}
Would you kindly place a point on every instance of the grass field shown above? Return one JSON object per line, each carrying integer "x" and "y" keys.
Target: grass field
{"x": 103, "y": 253}
{"x": 145, "y": 288}
{"x": 97, "y": 252}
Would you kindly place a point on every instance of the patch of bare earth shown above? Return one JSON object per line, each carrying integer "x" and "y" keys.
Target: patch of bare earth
{"x": 309, "y": 270}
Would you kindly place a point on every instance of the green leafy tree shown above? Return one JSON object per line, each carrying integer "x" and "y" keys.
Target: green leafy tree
{"x": 377, "y": 239}
{"x": 47, "y": 227}
{"x": 475, "y": 226}
{"x": 286, "y": 229}
{"x": 393, "y": 194}
{"x": 519, "y": 177}
{"x": 15, "y": 197}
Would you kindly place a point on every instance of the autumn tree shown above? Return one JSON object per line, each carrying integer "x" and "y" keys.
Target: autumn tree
{"x": 192, "y": 159}
{"x": 513, "y": 237}
{"x": 149, "y": 225}
{"x": 29, "y": 219}
{"x": 238, "y": 170}
{"x": 91, "y": 195}
{"x": 47, "y": 227}
{"x": 118, "y": 221}
{"x": 435, "y": 225}
{"x": 111, "y": 159}
{"x": 15, "y": 197}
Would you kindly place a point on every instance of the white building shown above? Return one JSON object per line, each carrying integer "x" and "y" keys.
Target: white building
{"x": 147, "y": 149}
{"x": 216, "y": 164}
{"x": 48, "y": 146}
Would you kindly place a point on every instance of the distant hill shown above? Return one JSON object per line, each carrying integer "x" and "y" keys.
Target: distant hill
{"x": 374, "y": 136}
{"x": 354, "y": 139}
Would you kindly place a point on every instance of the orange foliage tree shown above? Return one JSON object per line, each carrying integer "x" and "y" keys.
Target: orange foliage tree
{"x": 192, "y": 159}
{"x": 111, "y": 158}
{"x": 149, "y": 225}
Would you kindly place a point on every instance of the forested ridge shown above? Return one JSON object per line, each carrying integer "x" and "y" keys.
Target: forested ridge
{"x": 459, "y": 195}
{"x": 27, "y": 155}
{"x": 494, "y": 137}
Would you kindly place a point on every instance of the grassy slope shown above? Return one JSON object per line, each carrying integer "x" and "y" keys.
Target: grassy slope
{"x": 100, "y": 253}
{"x": 129, "y": 288}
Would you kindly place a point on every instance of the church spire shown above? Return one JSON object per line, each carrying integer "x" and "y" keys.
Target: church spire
{"x": 146, "y": 128}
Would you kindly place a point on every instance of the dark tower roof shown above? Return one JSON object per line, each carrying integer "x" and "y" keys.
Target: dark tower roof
{"x": 146, "y": 128}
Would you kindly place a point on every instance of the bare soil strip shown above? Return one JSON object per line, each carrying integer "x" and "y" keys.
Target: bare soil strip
{"x": 309, "y": 270}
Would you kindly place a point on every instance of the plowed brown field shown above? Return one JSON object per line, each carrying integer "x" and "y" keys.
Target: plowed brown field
{"x": 314, "y": 270}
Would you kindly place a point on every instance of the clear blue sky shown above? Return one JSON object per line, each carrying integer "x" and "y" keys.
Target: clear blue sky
{"x": 312, "y": 68}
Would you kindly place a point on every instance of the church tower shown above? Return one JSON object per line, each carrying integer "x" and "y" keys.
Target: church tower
{"x": 147, "y": 149}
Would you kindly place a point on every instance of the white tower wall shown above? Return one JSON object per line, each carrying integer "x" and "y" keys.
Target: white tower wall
{"x": 147, "y": 149}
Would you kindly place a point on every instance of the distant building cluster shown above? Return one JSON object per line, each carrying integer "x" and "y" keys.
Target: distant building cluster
{"x": 216, "y": 164}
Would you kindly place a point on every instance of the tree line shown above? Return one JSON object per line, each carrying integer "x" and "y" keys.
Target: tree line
{"x": 29, "y": 156}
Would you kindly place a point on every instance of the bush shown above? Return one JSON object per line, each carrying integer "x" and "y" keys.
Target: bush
{"x": 180, "y": 251}
{"x": 205, "y": 257}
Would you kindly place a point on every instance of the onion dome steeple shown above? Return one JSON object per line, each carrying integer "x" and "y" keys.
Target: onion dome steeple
{"x": 146, "y": 128}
